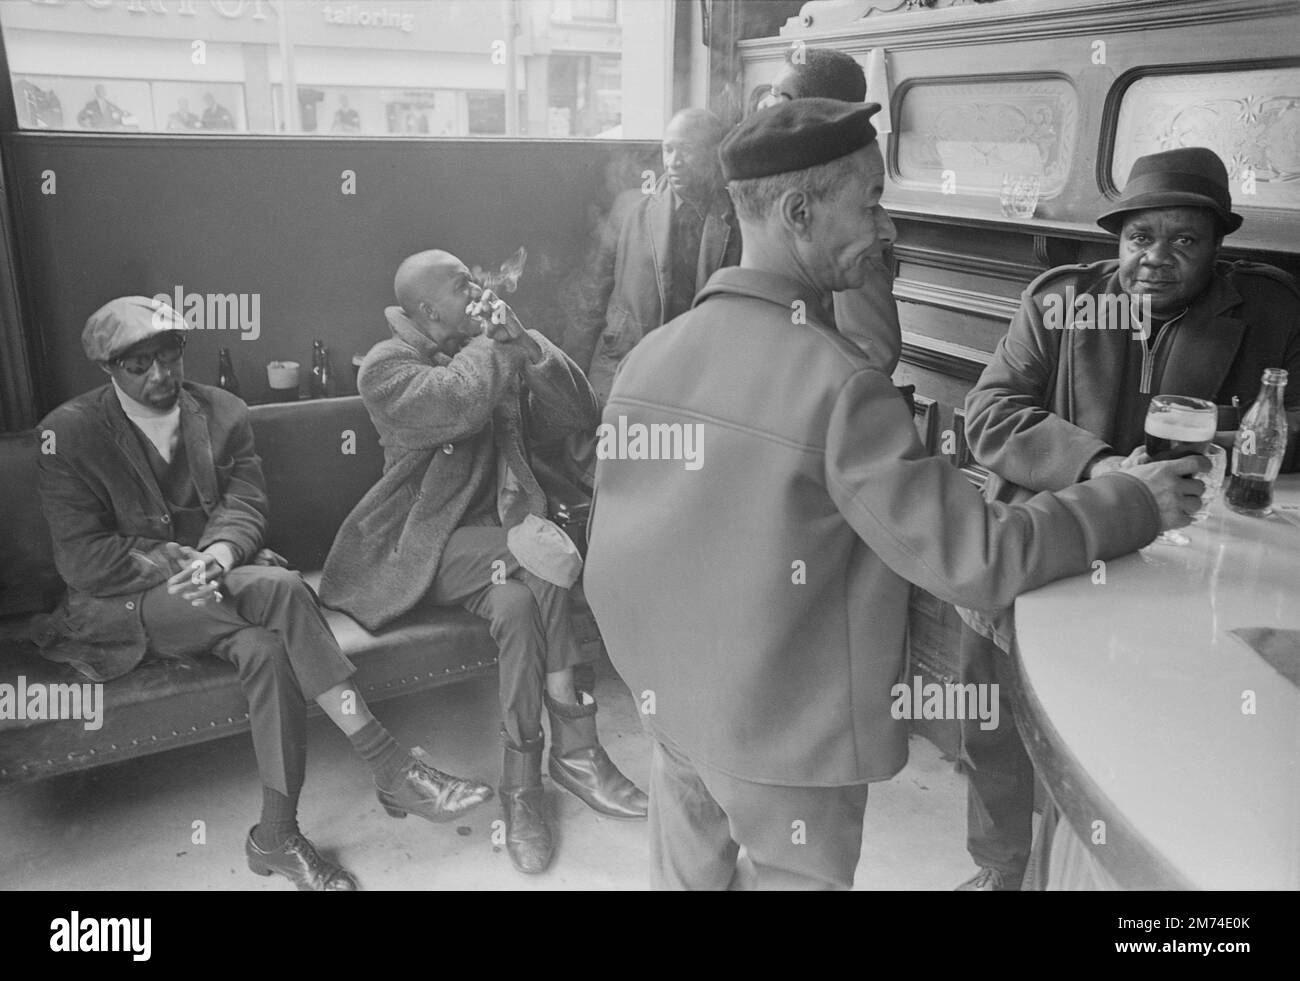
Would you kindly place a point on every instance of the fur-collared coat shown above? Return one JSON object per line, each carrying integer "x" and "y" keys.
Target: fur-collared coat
{"x": 445, "y": 423}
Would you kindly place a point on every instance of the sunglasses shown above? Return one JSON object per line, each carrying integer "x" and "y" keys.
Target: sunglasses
{"x": 168, "y": 356}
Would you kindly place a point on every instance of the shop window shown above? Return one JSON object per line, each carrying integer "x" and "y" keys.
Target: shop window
{"x": 339, "y": 67}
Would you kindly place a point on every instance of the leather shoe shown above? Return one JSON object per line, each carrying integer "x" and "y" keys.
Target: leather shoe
{"x": 528, "y": 837}
{"x": 299, "y": 862}
{"x": 989, "y": 880}
{"x": 580, "y": 765}
{"x": 427, "y": 791}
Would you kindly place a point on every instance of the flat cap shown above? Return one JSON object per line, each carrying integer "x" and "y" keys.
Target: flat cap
{"x": 796, "y": 135}
{"x": 542, "y": 547}
{"x": 125, "y": 322}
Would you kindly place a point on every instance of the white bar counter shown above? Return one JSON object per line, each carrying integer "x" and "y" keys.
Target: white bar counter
{"x": 1136, "y": 707}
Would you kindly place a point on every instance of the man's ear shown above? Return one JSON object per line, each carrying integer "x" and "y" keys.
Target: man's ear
{"x": 427, "y": 311}
{"x": 794, "y": 208}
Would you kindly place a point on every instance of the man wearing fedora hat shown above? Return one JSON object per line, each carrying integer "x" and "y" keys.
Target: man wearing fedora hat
{"x": 757, "y": 604}
{"x": 157, "y": 508}
{"x": 1065, "y": 398}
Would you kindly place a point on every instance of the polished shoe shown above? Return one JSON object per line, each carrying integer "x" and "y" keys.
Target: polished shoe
{"x": 989, "y": 880}
{"x": 528, "y": 838}
{"x": 427, "y": 791}
{"x": 299, "y": 862}
{"x": 580, "y": 765}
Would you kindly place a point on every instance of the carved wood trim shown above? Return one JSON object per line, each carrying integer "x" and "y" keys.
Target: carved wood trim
{"x": 1012, "y": 272}
{"x": 974, "y": 302}
{"x": 965, "y": 217}
{"x": 955, "y": 360}
{"x": 1011, "y": 20}
{"x": 823, "y": 15}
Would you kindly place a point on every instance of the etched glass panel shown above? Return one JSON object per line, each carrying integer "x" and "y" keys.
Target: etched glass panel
{"x": 1251, "y": 119}
{"x": 967, "y": 135}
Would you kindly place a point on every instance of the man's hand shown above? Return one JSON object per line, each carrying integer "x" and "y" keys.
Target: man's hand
{"x": 501, "y": 324}
{"x": 1175, "y": 488}
{"x": 1113, "y": 461}
{"x": 199, "y": 578}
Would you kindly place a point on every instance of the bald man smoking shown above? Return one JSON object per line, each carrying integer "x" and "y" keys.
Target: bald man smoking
{"x": 458, "y": 394}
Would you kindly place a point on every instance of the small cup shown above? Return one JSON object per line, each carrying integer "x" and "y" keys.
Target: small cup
{"x": 282, "y": 376}
{"x": 1019, "y": 195}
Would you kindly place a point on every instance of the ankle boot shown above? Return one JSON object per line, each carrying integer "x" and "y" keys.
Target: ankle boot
{"x": 580, "y": 765}
{"x": 528, "y": 839}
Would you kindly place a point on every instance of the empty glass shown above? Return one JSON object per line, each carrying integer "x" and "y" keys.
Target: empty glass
{"x": 1019, "y": 195}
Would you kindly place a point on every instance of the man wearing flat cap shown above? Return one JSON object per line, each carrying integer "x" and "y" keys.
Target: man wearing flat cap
{"x": 756, "y": 600}
{"x": 157, "y": 507}
{"x": 1065, "y": 399}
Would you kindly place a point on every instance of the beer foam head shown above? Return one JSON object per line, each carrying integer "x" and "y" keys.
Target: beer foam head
{"x": 1182, "y": 425}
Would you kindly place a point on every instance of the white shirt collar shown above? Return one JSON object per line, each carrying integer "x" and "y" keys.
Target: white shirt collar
{"x": 161, "y": 426}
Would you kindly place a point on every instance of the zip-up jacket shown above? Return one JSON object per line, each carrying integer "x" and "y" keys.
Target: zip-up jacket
{"x": 1072, "y": 377}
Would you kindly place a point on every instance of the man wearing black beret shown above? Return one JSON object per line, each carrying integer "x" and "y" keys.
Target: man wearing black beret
{"x": 868, "y": 315}
{"x": 754, "y": 595}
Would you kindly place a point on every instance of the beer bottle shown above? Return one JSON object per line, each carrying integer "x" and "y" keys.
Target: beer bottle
{"x": 1258, "y": 449}
{"x": 226, "y": 372}
{"x": 320, "y": 370}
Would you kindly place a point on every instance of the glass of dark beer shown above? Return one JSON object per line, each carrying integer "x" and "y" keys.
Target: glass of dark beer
{"x": 1179, "y": 425}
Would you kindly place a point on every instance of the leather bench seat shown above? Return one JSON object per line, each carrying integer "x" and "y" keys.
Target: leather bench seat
{"x": 319, "y": 458}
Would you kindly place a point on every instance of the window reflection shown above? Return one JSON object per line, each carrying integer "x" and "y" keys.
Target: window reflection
{"x": 338, "y": 67}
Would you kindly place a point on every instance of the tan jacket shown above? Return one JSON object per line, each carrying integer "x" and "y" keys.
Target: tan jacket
{"x": 758, "y": 604}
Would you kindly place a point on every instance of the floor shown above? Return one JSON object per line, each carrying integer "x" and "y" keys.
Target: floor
{"x": 177, "y": 820}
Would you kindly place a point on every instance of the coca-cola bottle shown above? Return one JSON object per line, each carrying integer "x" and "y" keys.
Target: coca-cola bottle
{"x": 226, "y": 372}
{"x": 320, "y": 370}
{"x": 1258, "y": 449}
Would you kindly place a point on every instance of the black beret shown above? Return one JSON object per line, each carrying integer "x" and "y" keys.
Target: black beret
{"x": 795, "y": 135}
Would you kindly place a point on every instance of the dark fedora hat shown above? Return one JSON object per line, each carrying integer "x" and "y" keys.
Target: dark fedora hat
{"x": 1189, "y": 176}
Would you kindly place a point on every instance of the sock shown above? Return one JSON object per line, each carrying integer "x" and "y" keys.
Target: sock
{"x": 384, "y": 754}
{"x": 279, "y": 820}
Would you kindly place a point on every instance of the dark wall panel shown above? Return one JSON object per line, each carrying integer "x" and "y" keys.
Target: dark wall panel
{"x": 268, "y": 217}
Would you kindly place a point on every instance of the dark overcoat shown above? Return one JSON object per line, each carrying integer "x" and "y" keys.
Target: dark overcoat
{"x": 109, "y": 519}
{"x": 624, "y": 286}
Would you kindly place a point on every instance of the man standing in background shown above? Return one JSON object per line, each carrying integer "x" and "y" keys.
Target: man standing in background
{"x": 656, "y": 251}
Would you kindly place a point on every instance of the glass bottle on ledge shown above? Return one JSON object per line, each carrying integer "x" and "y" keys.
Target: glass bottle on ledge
{"x": 320, "y": 370}
{"x": 1258, "y": 449}
{"x": 226, "y": 372}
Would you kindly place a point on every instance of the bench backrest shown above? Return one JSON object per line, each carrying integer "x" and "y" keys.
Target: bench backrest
{"x": 319, "y": 458}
